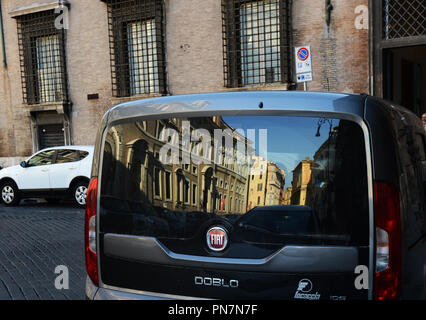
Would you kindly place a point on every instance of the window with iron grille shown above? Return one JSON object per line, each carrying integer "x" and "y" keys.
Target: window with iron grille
{"x": 137, "y": 47}
{"x": 42, "y": 58}
{"x": 255, "y": 42}
{"x": 404, "y": 18}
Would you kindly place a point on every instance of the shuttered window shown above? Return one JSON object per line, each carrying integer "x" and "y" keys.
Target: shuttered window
{"x": 42, "y": 56}
{"x": 255, "y": 42}
{"x": 50, "y": 84}
{"x": 136, "y": 47}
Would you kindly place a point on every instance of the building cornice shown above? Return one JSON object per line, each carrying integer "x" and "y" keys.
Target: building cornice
{"x": 37, "y": 7}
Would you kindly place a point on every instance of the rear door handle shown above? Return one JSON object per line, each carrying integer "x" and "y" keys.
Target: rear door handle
{"x": 44, "y": 170}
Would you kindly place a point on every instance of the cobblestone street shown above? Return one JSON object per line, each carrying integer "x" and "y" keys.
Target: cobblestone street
{"x": 35, "y": 238}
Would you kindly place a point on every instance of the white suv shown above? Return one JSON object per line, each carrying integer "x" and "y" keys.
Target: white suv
{"x": 53, "y": 174}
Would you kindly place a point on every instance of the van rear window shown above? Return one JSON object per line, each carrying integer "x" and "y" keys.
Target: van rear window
{"x": 271, "y": 180}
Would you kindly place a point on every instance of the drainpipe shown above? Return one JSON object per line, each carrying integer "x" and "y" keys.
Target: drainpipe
{"x": 292, "y": 84}
{"x": 3, "y": 45}
{"x": 328, "y": 8}
{"x": 165, "y": 54}
{"x": 371, "y": 49}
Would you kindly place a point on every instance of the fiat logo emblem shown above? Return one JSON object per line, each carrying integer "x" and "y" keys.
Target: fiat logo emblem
{"x": 217, "y": 238}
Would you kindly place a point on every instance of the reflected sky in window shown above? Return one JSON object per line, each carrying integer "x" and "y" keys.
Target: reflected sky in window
{"x": 290, "y": 139}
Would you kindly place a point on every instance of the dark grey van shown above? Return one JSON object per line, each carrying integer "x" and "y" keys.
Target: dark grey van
{"x": 258, "y": 195}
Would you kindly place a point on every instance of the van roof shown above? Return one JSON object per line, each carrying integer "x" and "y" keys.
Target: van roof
{"x": 193, "y": 104}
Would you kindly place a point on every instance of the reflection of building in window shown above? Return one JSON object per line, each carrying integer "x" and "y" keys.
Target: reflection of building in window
{"x": 338, "y": 178}
{"x": 42, "y": 159}
{"x": 301, "y": 179}
{"x": 168, "y": 185}
{"x": 179, "y": 187}
{"x": 275, "y": 185}
{"x": 194, "y": 195}
{"x": 157, "y": 182}
{"x": 266, "y": 185}
{"x": 211, "y": 187}
{"x": 186, "y": 191}
{"x": 322, "y": 184}
{"x": 287, "y": 196}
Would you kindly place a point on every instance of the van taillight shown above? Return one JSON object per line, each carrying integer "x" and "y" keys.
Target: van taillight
{"x": 90, "y": 232}
{"x": 388, "y": 242}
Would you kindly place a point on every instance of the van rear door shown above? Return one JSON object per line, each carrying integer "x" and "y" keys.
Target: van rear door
{"x": 230, "y": 207}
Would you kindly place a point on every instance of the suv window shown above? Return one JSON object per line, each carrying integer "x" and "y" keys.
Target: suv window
{"x": 42, "y": 159}
{"x": 319, "y": 194}
{"x": 83, "y": 154}
{"x": 65, "y": 156}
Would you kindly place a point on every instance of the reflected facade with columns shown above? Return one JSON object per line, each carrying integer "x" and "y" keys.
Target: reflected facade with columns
{"x": 274, "y": 176}
{"x": 195, "y": 181}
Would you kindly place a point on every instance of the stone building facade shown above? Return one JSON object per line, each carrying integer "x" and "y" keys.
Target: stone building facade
{"x": 192, "y": 48}
{"x": 185, "y": 180}
{"x": 275, "y": 185}
{"x": 265, "y": 183}
{"x": 301, "y": 178}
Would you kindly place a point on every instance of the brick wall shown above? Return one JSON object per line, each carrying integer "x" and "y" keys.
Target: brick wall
{"x": 194, "y": 46}
{"x": 88, "y": 60}
{"x": 340, "y": 51}
{"x": 194, "y": 60}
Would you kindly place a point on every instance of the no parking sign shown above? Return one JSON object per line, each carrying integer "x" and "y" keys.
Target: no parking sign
{"x": 303, "y": 64}
{"x": 303, "y": 54}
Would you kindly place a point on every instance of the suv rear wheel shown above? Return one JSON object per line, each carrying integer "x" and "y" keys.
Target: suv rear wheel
{"x": 10, "y": 193}
{"x": 79, "y": 192}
